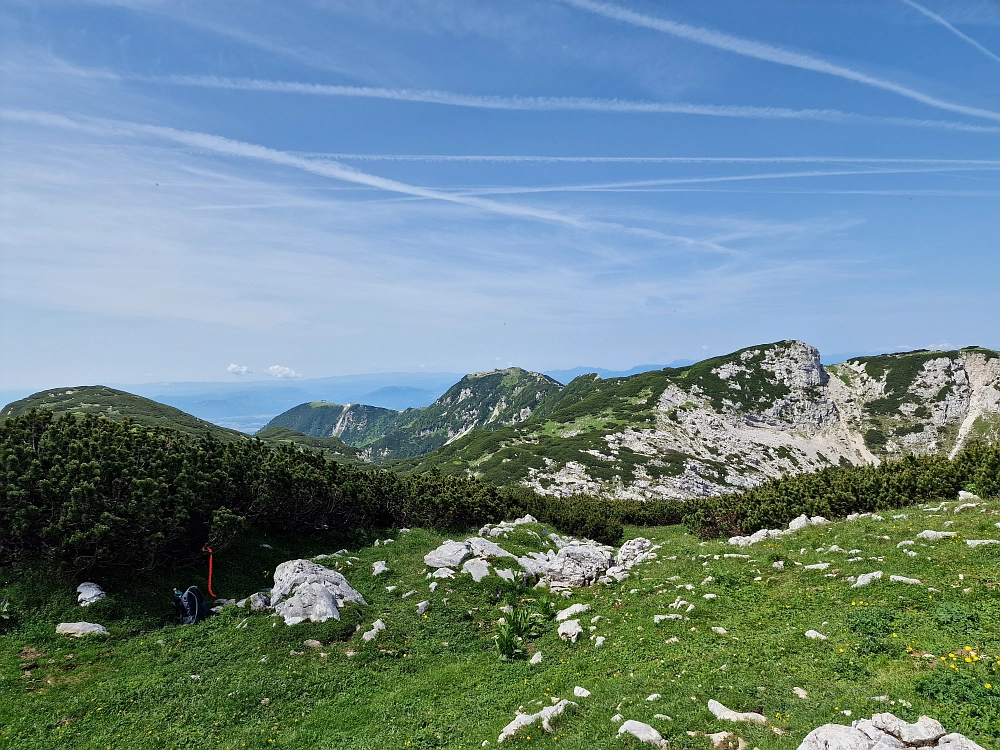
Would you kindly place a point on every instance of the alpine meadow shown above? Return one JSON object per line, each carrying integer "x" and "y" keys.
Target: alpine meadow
{"x": 464, "y": 374}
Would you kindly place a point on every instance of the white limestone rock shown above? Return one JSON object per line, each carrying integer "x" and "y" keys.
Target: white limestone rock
{"x": 81, "y": 629}
{"x": 575, "y": 609}
{"x": 89, "y": 593}
{"x": 800, "y": 693}
{"x": 957, "y": 742}
{"x": 981, "y": 542}
{"x": 635, "y": 551}
{"x": 486, "y": 549}
{"x": 581, "y": 692}
{"x": 311, "y": 601}
{"x": 379, "y": 567}
{"x": 524, "y": 720}
{"x": 377, "y": 627}
{"x": 643, "y": 733}
{"x": 727, "y": 714}
{"x": 578, "y": 565}
{"x": 570, "y": 630}
{"x": 835, "y": 737}
{"x": 291, "y": 574}
{"x": 450, "y": 554}
{"x": 935, "y": 536}
{"x": 815, "y": 635}
{"x": 965, "y": 495}
{"x": 423, "y": 606}
{"x": 536, "y": 658}
{"x": 904, "y": 579}
{"x": 925, "y": 731}
{"x": 865, "y": 578}
{"x": 443, "y": 573}
{"x": 477, "y": 568}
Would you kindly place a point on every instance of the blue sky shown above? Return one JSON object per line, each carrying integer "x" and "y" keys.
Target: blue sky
{"x": 455, "y": 185}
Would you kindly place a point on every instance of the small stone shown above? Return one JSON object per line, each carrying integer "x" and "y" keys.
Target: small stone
{"x": 312, "y": 643}
{"x": 815, "y": 635}
{"x": 904, "y": 579}
{"x": 581, "y": 692}
{"x": 653, "y": 697}
{"x": 642, "y": 732}
{"x": 422, "y": 606}
{"x": 721, "y": 712}
{"x": 81, "y": 629}
{"x": 89, "y": 593}
{"x": 720, "y": 631}
{"x": 379, "y": 568}
{"x": 800, "y": 693}
{"x": 599, "y": 641}
{"x": 536, "y": 658}
{"x": 865, "y": 578}
{"x": 570, "y": 630}
{"x": 575, "y": 609}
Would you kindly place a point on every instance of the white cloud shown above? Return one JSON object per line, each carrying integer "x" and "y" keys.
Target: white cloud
{"x": 236, "y": 369}
{"x": 280, "y": 371}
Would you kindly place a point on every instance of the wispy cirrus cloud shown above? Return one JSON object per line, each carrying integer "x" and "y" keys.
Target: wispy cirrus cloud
{"x": 944, "y": 22}
{"x": 774, "y": 54}
{"x": 555, "y": 103}
{"x": 335, "y": 170}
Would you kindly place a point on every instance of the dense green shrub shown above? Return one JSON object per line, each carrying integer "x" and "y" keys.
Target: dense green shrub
{"x": 87, "y": 493}
{"x": 837, "y": 491}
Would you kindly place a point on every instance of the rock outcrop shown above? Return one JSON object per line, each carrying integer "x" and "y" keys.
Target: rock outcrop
{"x": 886, "y": 732}
{"x": 305, "y": 590}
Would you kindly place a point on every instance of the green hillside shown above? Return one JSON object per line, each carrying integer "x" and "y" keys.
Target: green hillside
{"x": 107, "y": 402}
{"x": 331, "y": 447}
{"x": 480, "y": 401}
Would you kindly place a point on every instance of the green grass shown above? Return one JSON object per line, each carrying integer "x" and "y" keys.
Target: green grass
{"x": 437, "y": 681}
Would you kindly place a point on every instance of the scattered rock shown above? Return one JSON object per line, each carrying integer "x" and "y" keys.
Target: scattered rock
{"x": 835, "y": 737}
{"x": 926, "y": 731}
{"x": 443, "y": 573}
{"x": 980, "y": 542}
{"x": 577, "y": 565}
{"x": 599, "y": 640}
{"x": 450, "y": 554}
{"x": 581, "y": 692}
{"x": 957, "y": 742}
{"x": 643, "y": 733}
{"x": 377, "y": 627}
{"x": 379, "y": 568}
{"x": 635, "y": 551}
{"x": 505, "y": 573}
{"x": 477, "y": 567}
{"x": 89, "y": 593}
{"x": 570, "y": 630}
{"x": 904, "y": 579}
{"x": 304, "y": 580}
{"x": 536, "y": 658}
{"x": 720, "y": 631}
{"x": 81, "y": 629}
{"x": 312, "y": 643}
{"x": 935, "y": 536}
{"x": 865, "y": 578}
{"x": 575, "y": 609}
{"x": 815, "y": 635}
{"x": 817, "y": 566}
{"x": 486, "y": 549}
{"x": 727, "y": 714}
{"x": 422, "y": 606}
{"x": 523, "y": 720}
{"x": 653, "y": 697}
{"x": 800, "y": 693}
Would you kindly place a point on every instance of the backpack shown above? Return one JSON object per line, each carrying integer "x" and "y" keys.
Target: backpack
{"x": 190, "y": 606}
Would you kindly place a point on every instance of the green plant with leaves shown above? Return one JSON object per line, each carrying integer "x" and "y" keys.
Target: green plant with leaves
{"x": 508, "y": 643}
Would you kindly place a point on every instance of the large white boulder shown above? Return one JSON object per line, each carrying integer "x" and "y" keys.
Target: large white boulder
{"x": 578, "y": 565}
{"x": 935, "y": 536}
{"x": 925, "y": 731}
{"x": 486, "y": 549}
{"x": 835, "y": 737}
{"x": 450, "y": 554}
{"x": 304, "y": 590}
{"x": 81, "y": 629}
{"x": 477, "y": 568}
{"x": 957, "y": 742}
{"x": 311, "y": 601}
{"x": 89, "y": 593}
{"x": 570, "y": 630}
{"x": 643, "y": 733}
{"x": 634, "y": 551}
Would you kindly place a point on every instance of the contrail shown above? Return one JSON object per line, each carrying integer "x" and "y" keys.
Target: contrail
{"x": 504, "y": 158}
{"x": 770, "y": 53}
{"x": 334, "y": 170}
{"x": 632, "y": 184}
{"x": 547, "y": 103}
{"x": 935, "y": 17}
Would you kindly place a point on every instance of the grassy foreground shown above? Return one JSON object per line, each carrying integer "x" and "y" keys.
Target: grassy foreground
{"x": 247, "y": 681}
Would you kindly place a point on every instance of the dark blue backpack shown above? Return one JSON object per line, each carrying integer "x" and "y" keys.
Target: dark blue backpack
{"x": 190, "y": 606}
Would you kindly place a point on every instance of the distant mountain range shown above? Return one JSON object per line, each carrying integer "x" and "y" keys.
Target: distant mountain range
{"x": 699, "y": 429}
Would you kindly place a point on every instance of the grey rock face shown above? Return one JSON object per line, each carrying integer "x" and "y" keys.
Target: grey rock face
{"x": 477, "y": 568}
{"x": 305, "y": 590}
{"x": 310, "y": 601}
{"x": 926, "y": 731}
{"x": 578, "y": 565}
{"x": 80, "y": 629}
{"x": 836, "y": 737}
{"x": 450, "y": 554}
{"x": 89, "y": 593}
{"x": 486, "y": 549}
{"x": 643, "y": 733}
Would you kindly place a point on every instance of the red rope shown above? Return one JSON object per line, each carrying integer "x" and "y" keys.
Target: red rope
{"x": 209, "y": 551}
